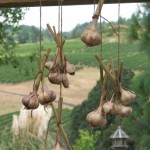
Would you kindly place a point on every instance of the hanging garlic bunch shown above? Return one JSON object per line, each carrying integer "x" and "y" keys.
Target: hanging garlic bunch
{"x": 58, "y": 72}
{"x": 90, "y": 35}
{"x": 31, "y": 101}
{"x": 60, "y": 66}
{"x": 97, "y": 118}
{"x": 120, "y": 97}
{"x": 116, "y": 106}
{"x": 45, "y": 96}
{"x": 116, "y": 109}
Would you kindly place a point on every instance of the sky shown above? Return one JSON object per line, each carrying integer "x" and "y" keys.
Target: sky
{"x": 73, "y": 15}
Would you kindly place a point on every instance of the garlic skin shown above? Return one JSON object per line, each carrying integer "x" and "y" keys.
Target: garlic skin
{"x": 91, "y": 37}
{"x": 70, "y": 68}
{"x": 107, "y": 107}
{"x": 96, "y": 118}
{"x": 127, "y": 97}
{"x": 49, "y": 65}
{"x": 46, "y": 96}
{"x": 31, "y": 101}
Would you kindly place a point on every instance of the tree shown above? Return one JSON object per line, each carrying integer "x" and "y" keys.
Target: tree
{"x": 140, "y": 119}
{"x": 9, "y": 16}
{"x": 22, "y": 34}
{"x": 134, "y": 27}
{"x": 34, "y": 34}
{"x": 145, "y": 44}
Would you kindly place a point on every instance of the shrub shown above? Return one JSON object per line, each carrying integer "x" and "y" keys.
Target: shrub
{"x": 86, "y": 140}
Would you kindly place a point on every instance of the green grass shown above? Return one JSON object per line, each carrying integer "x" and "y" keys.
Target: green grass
{"x": 28, "y": 58}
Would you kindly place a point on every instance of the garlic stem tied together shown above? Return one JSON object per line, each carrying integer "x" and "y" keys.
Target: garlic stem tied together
{"x": 39, "y": 76}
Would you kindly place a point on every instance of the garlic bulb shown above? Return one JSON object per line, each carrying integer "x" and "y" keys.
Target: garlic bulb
{"x": 57, "y": 145}
{"x": 65, "y": 80}
{"x": 125, "y": 111}
{"x": 49, "y": 64}
{"x": 46, "y": 96}
{"x": 55, "y": 77}
{"x": 90, "y": 36}
{"x": 127, "y": 97}
{"x": 121, "y": 110}
{"x": 96, "y": 118}
{"x": 107, "y": 107}
{"x": 70, "y": 68}
{"x": 30, "y": 101}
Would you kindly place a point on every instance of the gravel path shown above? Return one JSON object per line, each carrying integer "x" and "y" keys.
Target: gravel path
{"x": 80, "y": 85}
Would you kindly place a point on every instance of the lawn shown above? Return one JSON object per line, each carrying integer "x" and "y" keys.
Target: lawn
{"x": 77, "y": 53}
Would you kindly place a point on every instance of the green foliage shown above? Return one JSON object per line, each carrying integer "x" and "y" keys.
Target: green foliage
{"x": 9, "y": 17}
{"x": 133, "y": 28}
{"x": 76, "y": 32}
{"x": 145, "y": 38}
{"x": 86, "y": 140}
{"x": 140, "y": 120}
{"x": 23, "y": 35}
{"x": 27, "y": 34}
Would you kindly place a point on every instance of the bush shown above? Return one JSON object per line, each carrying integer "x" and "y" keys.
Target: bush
{"x": 86, "y": 140}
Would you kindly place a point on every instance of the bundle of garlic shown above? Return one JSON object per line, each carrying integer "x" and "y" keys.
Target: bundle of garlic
{"x": 116, "y": 109}
{"x": 90, "y": 35}
{"x": 120, "y": 98}
{"x": 117, "y": 104}
{"x": 97, "y": 118}
{"x": 32, "y": 100}
{"x": 59, "y": 66}
{"x": 44, "y": 97}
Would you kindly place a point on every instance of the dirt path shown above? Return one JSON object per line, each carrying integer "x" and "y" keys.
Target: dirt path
{"x": 80, "y": 85}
